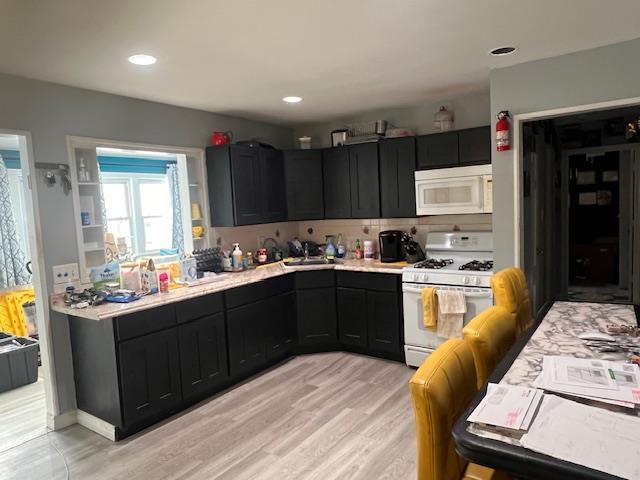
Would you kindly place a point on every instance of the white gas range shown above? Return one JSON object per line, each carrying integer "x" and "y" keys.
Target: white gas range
{"x": 455, "y": 261}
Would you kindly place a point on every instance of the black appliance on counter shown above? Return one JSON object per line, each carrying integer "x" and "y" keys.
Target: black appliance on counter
{"x": 391, "y": 249}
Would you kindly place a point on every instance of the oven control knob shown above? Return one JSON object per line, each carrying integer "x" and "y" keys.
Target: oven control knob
{"x": 424, "y": 277}
{"x": 416, "y": 277}
{"x": 476, "y": 280}
{"x": 465, "y": 280}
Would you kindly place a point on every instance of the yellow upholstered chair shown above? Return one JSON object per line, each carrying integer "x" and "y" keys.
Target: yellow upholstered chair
{"x": 441, "y": 390}
{"x": 490, "y": 335}
{"x": 510, "y": 292}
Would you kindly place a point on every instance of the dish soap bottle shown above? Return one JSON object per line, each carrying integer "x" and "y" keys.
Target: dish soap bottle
{"x": 330, "y": 251}
{"x": 236, "y": 257}
{"x": 342, "y": 250}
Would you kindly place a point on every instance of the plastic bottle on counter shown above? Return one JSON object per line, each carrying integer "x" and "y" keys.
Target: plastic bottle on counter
{"x": 236, "y": 257}
{"x": 341, "y": 251}
{"x": 330, "y": 251}
{"x": 359, "y": 252}
{"x": 369, "y": 253}
{"x": 163, "y": 279}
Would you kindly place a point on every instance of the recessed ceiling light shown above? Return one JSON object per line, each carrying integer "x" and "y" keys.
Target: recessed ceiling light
{"x": 501, "y": 51}
{"x": 142, "y": 59}
{"x": 292, "y": 99}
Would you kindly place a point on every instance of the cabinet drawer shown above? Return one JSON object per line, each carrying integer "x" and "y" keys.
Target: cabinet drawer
{"x": 144, "y": 322}
{"x": 199, "y": 307}
{"x": 257, "y": 291}
{"x": 317, "y": 279}
{"x": 369, "y": 281}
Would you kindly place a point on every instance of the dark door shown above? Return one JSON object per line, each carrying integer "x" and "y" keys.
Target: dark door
{"x": 281, "y": 313}
{"x": 437, "y": 150}
{"x": 352, "y": 316}
{"x": 303, "y": 174}
{"x": 397, "y": 180}
{"x": 273, "y": 185}
{"x": 383, "y": 321}
{"x": 337, "y": 184}
{"x": 365, "y": 183}
{"x": 317, "y": 316}
{"x": 203, "y": 355}
{"x": 246, "y": 335}
{"x": 149, "y": 375}
{"x": 474, "y": 146}
{"x": 247, "y": 186}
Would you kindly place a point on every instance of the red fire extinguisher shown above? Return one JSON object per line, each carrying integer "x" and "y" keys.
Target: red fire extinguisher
{"x": 503, "y": 142}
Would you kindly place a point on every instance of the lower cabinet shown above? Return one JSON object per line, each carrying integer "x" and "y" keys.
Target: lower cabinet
{"x": 316, "y": 316}
{"x": 281, "y": 312}
{"x": 352, "y": 316}
{"x": 203, "y": 355}
{"x": 149, "y": 375}
{"x": 247, "y": 337}
{"x": 384, "y": 322}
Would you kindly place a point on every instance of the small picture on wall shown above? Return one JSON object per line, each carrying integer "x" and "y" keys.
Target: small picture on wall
{"x": 586, "y": 178}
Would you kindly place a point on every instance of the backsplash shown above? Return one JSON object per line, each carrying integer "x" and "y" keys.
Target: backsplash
{"x": 252, "y": 236}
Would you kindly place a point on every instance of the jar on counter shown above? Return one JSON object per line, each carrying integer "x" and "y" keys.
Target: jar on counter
{"x": 369, "y": 253}
{"x": 262, "y": 255}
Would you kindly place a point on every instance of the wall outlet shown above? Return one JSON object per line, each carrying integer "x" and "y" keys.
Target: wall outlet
{"x": 65, "y": 274}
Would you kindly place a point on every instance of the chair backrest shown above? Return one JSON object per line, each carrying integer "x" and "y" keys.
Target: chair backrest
{"x": 441, "y": 390}
{"x": 511, "y": 292}
{"x": 490, "y": 335}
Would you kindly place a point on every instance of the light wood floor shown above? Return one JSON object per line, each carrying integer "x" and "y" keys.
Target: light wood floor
{"x": 321, "y": 417}
{"x": 22, "y": 415}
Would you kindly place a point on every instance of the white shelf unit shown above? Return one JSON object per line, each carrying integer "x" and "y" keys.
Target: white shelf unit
{"x": 197, "y": 174}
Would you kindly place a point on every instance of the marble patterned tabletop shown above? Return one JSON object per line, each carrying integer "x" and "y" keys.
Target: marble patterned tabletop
{"x": 558, "y": 335}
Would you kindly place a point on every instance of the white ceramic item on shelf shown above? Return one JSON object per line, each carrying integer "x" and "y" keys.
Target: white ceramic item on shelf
{"x": 443, "y": 120}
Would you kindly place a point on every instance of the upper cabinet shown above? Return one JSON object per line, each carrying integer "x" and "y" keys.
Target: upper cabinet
{"x": 453, "y": 149}
{"x": 337, "y": 182}
{"x": 303, "y": 178}
{"x": 246, "y": 185}
{"x": 365, "y": 190}
{"x": 397, "y": 181}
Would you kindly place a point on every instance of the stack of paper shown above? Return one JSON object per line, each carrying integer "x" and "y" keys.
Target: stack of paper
{"x": 507, "y": 406}
{"x": 594, "y": 437}
{"x": 617, "y": 383}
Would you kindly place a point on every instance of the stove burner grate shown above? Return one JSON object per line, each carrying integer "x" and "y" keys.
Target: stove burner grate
{"x": 435, "y": 263}
{"x": 478, "y": 265}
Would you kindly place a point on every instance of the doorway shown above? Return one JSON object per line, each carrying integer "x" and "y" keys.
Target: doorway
{"x": 27, "y": 381}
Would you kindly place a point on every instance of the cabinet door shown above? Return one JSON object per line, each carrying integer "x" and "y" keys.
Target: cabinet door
{"x": 149, "y": 375}
{"x": 281, "y": 324}
{"x": 273, "y": 185}
{"x": 437, "y": 150}
{"x": 365, "y": 181}
{"x": 337, "y": 184}
{"x": 383, "y": 321}
{"x": 246, "y": 334}
{"x": 316, "y": 319}
{"x": 203, "y": 355}
{"x": 474, "y": 146}
{"x": 247, "y": 185}
{"x": 303, "y": 174}
{"x": 352, "y": 316}
{"x": 397, "y": 180}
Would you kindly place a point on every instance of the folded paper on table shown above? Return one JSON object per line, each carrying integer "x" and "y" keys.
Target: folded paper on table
{"x": 507, "y": 406}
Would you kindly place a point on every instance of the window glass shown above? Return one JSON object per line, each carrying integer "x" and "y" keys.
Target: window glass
{"x": 155, "y": 199}
{"x": 116, "y": 197}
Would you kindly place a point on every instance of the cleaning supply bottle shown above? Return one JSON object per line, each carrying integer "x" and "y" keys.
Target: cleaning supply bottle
{"x": 342, "y": 249}
{"x": 236, "y": 257}
{"x": 359, "y": 252}
{"x": 330, "y": 251}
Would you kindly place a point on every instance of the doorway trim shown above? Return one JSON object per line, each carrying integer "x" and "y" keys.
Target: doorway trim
{"x": 518, "y": 158}
{"x": 43, "y": 318}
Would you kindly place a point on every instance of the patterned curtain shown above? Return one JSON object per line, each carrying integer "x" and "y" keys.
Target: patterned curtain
{"x": 13, "y": 270}
{"x": 178, "y": 232}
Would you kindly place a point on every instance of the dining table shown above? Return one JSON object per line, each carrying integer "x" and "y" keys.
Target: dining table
{"x": 555, "y": 333}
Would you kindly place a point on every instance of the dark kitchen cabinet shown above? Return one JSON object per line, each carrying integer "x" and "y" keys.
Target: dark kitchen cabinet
{"x": 149, "y": 375}
{"x": 246, "y": 335}
{"x": 316, "y": 316}
{"x": 474, "y": 146}
{"x": 364, "y": 176}
{"x": 352, "y": 316}
{"x": 281, "y": 313}
{"x": 384, "y": 322}
{"x": 397, "y": 180}
{"x": 337, "y": 182}
{"x": 247, "y": 186}
{"x": 437, "y": 150}
{"x": 203, "y": 355}
{"x": 272, "y": 181}
{"x": 303, "y": 177}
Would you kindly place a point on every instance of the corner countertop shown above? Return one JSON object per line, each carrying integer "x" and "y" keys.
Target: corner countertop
{"x": 225, "y": 282}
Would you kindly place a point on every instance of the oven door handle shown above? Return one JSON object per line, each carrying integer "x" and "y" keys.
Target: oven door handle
{"x": 466, "y": 294}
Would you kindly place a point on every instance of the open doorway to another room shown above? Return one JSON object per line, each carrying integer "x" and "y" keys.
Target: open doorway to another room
{"x": 580, "y": 207}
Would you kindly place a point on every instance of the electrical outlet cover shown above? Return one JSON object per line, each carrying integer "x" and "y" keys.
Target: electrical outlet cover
{"x": 67, "y": 273}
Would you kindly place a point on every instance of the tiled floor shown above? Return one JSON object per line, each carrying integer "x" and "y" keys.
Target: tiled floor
{"x": 322, "y": 416}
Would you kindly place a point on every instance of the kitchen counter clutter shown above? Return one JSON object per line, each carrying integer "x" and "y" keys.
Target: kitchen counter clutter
{"x": 137, "y": 363}
{"x": 226, "y": 282}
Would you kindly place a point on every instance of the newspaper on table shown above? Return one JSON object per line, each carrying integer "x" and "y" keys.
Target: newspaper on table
{"x": 507, "y": 406}
{"x": 594, "y": 437}
{"x": 611, "y": 382}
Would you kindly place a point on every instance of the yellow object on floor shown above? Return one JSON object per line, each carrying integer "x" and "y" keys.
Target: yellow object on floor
{"x": 12, "y": 318}
{"x": 429, "y": 308}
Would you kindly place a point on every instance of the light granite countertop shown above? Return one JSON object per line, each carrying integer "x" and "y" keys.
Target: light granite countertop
{"x": 225, "y": 281}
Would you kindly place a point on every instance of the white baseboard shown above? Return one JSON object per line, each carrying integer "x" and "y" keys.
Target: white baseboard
{"x": 58, "y": 422}
{"x": 97, "y": 425}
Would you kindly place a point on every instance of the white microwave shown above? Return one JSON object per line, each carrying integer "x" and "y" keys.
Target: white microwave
{"x": 456, "y": 190}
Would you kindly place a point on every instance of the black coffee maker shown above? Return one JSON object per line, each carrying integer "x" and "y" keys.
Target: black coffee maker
{"x": 391, "y": 249}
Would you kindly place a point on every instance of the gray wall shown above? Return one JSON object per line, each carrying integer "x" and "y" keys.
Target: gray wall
{"x": 590, "y": 76}
{"x": 50, "y": 112}
{"x": 470, "y": 110}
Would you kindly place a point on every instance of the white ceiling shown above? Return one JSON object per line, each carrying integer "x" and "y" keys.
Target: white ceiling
{"x": 343, "y": 56}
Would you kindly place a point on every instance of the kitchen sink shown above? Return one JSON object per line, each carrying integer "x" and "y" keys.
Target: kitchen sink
{"x": 302, "y": 262}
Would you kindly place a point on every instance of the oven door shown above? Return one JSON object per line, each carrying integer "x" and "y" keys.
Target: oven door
{"x": 444, "y": 196}
{"x": 419, "y": 340}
